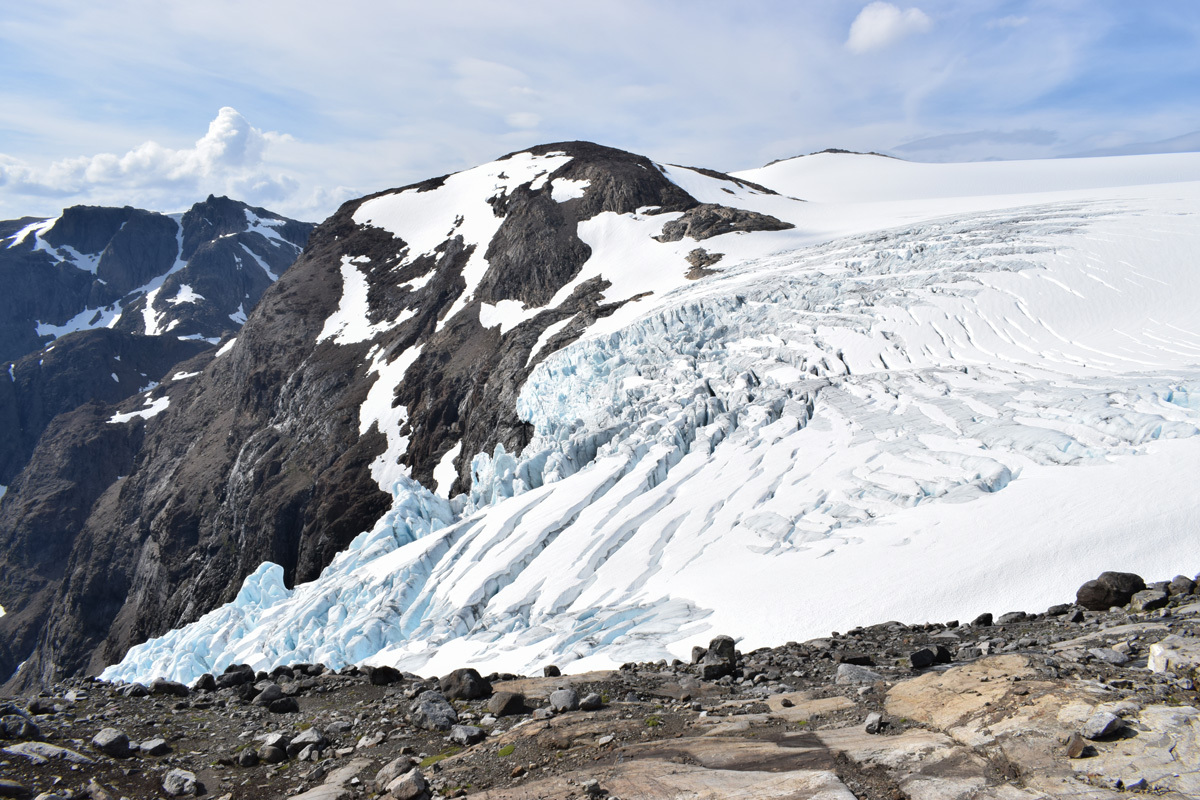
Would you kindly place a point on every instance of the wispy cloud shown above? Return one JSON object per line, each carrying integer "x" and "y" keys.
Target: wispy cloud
{"x": 880, "y": 24}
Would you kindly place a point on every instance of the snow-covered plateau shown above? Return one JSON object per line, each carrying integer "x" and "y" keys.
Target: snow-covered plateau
{"x": 950, "y": 389}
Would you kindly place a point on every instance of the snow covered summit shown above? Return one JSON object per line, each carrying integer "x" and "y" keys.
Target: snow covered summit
{"x": 944, "y": 389}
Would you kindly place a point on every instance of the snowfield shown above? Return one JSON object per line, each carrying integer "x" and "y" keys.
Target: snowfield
{"x": 969, "y": 390}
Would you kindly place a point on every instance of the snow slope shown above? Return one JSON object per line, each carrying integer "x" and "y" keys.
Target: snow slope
{"x": 918, "y": 407}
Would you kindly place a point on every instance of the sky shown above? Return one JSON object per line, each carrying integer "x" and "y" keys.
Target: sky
{"x": 298, "y": 106}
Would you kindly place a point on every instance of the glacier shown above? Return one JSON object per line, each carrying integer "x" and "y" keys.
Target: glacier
{"x": 911, "y": 409}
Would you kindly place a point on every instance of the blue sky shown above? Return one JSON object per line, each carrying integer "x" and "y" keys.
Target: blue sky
{"x": 297, "y": 107}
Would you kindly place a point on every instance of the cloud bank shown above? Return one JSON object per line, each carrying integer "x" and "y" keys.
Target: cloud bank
{"x": 229, "y": 159}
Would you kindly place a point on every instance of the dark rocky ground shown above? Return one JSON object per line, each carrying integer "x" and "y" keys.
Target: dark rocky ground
{"x": 1071, "y": 702}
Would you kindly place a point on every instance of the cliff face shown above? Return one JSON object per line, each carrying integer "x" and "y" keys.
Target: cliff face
{"x": 372, "y": 356}
{"x": 98, "y": 306}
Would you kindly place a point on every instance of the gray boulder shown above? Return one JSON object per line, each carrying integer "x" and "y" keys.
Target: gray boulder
{"x": 1181, "y": 584}
{"x": 155, "y": 747}
{"x": 433, "y": 712}
{"x": 506, "y": 704}
{"x": 591, "y": 702}
{"x": 1148, "y": 600}
{"x": 179, "y": 782}
{"x": 268, "y": 694}
{"x": 720, "y": 659}
{"x": 466, "y": 735}
{"x": 1102, "y": 724}
{"x": 313, "y": 736}
{"x": 564, "y": 700}
{"x": 408, "y": 786}
{"x": 111, "y": 742}
{"x": 393, "y": 769}
{"x": 854, "y": 674}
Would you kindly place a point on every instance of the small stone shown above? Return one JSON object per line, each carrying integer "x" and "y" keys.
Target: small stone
{"x": 179, "y": 782}
{"x": 542, "y": 713}
{"x": 408, "y": 786}
{"x": 591, "y": 702}
{"x": 505, "y": 704}
{"x": 1076, "y": 745}
{"x": 1058, "y": 610}
{"x": 1140, "y": 785}
{"x": 854, "y": 674}
{"x": 698, "y": 653}
{"x": 563, "y": 700}
{"x": 466, "y": 735}
{"x": 591, "y": 788}
{"x": 606, "y": 739}
{"x": 112, "y": 742}
{"x": 247, "y": 758}
{"x": 1102, "y": 724}
{"x": 155, "y": 747}
{"x": 874, "y": 723}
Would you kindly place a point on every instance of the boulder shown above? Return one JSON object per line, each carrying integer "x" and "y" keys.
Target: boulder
{"x": 1109, "y": 590}
{"x": 1109, "y": 655}
{"x": 408, "y": 786}
{"x": 1178, "y": 654}
{"x": 268, "y": 694}
{"x": 393, "y": 769}
{"x": 720, "y": 659}
{"x": 1011, "y": 617}
{"x": 18, "y": 726}
{"x": 982, "y": 621}
{"x": 133, "y": 690}
{"x": 922, "y": 658}
{"x": 205, "y": 683}
{"x": 1181, "y": 584}
{"x": 591, "y": 702}
{"x": 249, "y": 758}
{"x": 269, "y": 754}
{"x": 313, "y": 736}
{"x": 382, "y": 676}
{"x": 551, "y": 672}
{"x": 466, "y": 735}
{"x": 180, "y": 782}
{"x": 1102, "y": 724}
{"x": 506, "y": 704}
{"x": 171, "y": 688}
{"x": 284, "y": 705}
{"x": 433, "y": 712}
{"x": 562, "y": 700}
{"x": 13, "y": 789}
{"x": 465, "y": 684}
{"x": 1148, "y": 600}
{"x": 155, "y": 747}
{"x": 111, "y": 742}
{"x": 854, "y": 674}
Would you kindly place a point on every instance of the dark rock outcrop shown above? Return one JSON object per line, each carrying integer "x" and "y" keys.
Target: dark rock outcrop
{"x": 709, "y": 220}
{"x": 1109, "y": 590}
{"x": 261, "y": 457}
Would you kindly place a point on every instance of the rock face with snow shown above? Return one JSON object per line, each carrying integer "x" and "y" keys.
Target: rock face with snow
{"x": 396, "y": 346}
{"x": 106, "y": 305}
{"x": 963, "y": 400}
{"x": 193, "y": 274}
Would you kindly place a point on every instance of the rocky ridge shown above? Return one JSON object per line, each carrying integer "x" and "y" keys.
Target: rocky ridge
{"x": 1075, "y": 702}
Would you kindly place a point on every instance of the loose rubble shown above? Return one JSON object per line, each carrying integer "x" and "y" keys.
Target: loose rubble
{"x": 1072, "y": 702}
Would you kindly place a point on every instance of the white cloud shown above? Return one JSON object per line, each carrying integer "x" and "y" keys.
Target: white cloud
{"x": 881, "y": 24}
{"x": 228, "y": 159}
